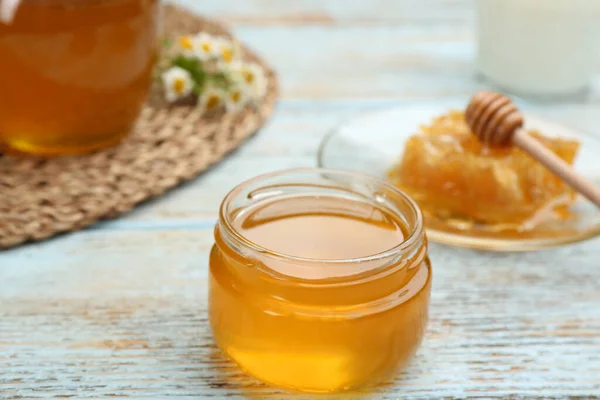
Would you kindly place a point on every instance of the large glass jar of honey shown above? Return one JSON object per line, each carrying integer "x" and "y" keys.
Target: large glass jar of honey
{"x": 319, "y": 279}
{"x": 74, "y": 73}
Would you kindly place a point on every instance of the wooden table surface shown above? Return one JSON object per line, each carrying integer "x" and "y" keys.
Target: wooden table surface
{"x": 119, "y": 310}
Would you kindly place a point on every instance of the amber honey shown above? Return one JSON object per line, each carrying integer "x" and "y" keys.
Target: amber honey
{"x": 319, "y": 281}
{"x": 74, "y": 73}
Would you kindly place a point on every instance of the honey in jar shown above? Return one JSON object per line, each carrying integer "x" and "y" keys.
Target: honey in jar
{"x": 319, "y": 279}
{"x": 451, "y": 174}
{"x": 74, "y": 73}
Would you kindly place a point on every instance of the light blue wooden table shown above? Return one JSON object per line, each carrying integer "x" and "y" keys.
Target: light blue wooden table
{"x": 119, "y": 310}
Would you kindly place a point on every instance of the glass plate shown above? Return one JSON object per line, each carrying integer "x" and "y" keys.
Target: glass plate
{"x": 373, "y": 142}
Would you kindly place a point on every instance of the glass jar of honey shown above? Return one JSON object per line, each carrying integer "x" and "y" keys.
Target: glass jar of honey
{"x": 319, "y": 279}
{"x": 74, "y": 73}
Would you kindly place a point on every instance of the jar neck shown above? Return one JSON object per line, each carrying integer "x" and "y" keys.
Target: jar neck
{"x": 391, "y": 282}
{"x": 359, "y": 280}
{"x": 352, "y": 271}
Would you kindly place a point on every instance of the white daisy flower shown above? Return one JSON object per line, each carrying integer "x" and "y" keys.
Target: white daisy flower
{"x": 251, "y": 76}
{"x": 201, "y": 46}
{"x": 205, "y": 46}
{"x": 259, "y": 85}
{"x": 236, "y": 98}
{"x": 211, "y": 99}
{"x": 177, "y": 82}
{"x": 187, "y": 45}
{"x": 227, "y": 51}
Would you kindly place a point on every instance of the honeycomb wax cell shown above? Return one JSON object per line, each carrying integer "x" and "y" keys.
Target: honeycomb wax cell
{"x": 452, "y": 175}
{"x": 315, "y": 286}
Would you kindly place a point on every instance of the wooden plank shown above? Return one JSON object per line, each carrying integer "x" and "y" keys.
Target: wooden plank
{"x": 381, "y": 62}
{"x": 262, "y": 12}
{"x": 124, "y": 315}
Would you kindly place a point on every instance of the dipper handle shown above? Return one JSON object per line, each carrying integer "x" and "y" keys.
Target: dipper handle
{"x": 496, "y": 121}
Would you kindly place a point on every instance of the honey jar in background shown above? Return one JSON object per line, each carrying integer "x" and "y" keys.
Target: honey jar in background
{"x": 74, "y": 73}
{"x": 319, "y": 279}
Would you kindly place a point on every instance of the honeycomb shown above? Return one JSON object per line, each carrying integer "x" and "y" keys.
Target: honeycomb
{"x": 450, "y": 174}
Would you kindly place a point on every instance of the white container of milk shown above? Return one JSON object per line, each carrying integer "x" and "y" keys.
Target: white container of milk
{"x": 543, "y": 48}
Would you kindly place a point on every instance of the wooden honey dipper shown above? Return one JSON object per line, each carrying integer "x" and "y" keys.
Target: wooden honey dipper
{"x": 495, "y": 120}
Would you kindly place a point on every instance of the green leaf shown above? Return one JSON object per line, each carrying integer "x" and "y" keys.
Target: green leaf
{"x": 197, "y": 90}
{"x": 220, "y": 80}
{"x": 193, "y": 66}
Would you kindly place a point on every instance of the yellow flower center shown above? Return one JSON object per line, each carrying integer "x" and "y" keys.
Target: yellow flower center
{"x": 206, "y": 46}
{"x": 212, "y": 101}
{"x": 236, "y": 96}
{"x": 178, "y": 85}
{"x": 227, "y": 55}
{"x": 248, "y": 76}
{"x": 186, "y": 43}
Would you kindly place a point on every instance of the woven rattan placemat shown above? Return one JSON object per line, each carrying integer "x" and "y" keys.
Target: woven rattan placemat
{"x": 171, "y": 144}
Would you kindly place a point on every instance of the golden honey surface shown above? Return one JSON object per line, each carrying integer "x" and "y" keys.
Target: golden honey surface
{"x": 304, "y": 320}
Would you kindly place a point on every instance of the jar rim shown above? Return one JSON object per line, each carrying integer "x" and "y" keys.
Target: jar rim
{"x": 413, "y": 238}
